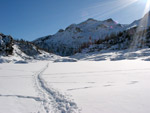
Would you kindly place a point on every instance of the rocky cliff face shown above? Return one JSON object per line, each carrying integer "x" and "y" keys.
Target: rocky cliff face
{"x": 6, "y": 43}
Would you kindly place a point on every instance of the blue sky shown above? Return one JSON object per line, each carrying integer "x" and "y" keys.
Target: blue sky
{"x": 31, "y": 19}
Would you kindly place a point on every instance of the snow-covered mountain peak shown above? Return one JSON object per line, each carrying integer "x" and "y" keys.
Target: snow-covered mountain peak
{"x": 66, "y": 42}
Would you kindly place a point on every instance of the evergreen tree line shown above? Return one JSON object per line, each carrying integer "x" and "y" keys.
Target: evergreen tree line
{"x": 131, "y": 38}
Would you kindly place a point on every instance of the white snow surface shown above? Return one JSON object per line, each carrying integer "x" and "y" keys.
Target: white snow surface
{"x": 103, "y": 87}
{"x": 75, "y": 87}
{"x": 112, "y": 55}
{"x": 22, "y": 90}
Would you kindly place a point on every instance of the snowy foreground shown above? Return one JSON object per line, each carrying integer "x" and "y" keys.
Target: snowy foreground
{"x": 72, "y": 87}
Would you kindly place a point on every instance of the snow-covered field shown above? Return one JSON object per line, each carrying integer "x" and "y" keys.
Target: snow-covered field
{"x": 72, "y": 87}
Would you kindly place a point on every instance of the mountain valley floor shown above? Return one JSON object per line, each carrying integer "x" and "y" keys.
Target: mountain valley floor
{"x": 72, "y": 87}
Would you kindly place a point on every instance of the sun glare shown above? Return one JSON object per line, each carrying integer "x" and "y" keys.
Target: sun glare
{"x": 147, "y": 8}
{"x": 116, "y": 5}
{"x": 143, "y": 24}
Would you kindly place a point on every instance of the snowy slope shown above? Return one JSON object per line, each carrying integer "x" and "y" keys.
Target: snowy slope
{"x": 20, "y": 57}
{"x": 20, "y": 51}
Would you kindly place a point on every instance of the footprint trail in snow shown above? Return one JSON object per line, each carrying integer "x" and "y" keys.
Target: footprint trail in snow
{"x": 54, "y": 101}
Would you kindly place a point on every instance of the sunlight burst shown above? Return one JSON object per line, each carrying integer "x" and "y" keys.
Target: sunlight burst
{"x": 147, "y": 7}
{"x": 143, "y": 24}
{"x": 116, "y": 5}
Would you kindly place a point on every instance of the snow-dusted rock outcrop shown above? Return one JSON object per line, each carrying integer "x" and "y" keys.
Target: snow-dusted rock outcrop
{"x": 20, "y": 51}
